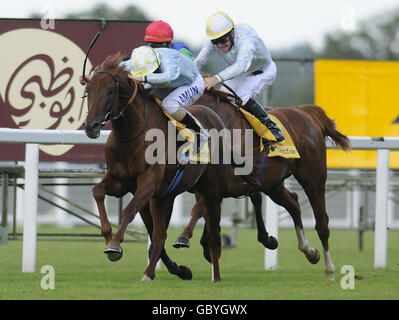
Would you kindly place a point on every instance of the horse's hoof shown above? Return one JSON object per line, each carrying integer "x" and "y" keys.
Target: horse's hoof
{"x": 181, "y": 242}
{"x": 184, "y": 273}
{"x": 146, "y": 278}
{"x": 314, "y": 256}
{"x": 271, "y": 243}
{"x": 114, "y": 253}
{"x": 330, "y": 275}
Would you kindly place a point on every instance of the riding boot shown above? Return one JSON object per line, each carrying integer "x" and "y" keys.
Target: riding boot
{"x": 259, "y": 112}
{"x": 201, "y": 136}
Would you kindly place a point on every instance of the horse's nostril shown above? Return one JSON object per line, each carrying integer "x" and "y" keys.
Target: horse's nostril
{"x": 97, "y": 125}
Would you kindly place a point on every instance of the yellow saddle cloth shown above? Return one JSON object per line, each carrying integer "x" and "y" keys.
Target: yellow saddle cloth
{"x": 285, "y": 148}
{"x": 204, "y": 155}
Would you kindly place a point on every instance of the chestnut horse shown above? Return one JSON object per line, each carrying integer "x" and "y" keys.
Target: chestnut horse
{"x": 308, "y": 126}
{"x": 113, "y": 97}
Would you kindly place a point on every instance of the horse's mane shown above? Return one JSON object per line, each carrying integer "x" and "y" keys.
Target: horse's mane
{"x": 112, "y": 63}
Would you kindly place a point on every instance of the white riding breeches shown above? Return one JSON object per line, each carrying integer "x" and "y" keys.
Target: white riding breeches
{"x": 184, "y": 96}
{"x": 249, "y": 86}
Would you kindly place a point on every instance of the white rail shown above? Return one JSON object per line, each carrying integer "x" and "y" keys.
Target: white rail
{"x": 50, "y": 136}
{"x": 383, "y": 145}
{"x": 32, "y": 139}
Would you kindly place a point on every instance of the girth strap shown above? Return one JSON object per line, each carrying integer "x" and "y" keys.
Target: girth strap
{"x": 181, "y": 167}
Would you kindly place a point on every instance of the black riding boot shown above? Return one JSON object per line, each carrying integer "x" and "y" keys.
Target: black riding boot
{"x": 258, "y": 111}
{"x": 201, "y": 136}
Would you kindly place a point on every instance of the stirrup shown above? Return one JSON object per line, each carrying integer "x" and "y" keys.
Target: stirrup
{"x": 279, "y": 137}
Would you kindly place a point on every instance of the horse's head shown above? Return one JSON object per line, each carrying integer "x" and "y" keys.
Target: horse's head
{"x": 107, "y": 92}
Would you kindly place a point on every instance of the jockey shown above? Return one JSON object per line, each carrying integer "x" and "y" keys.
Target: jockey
{"x": 250, "y": 69}
{"x": 160, "y": 34}
{"x": 175, "y": 80}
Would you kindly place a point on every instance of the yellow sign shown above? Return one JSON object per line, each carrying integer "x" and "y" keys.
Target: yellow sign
{"x": 362, "y": 97}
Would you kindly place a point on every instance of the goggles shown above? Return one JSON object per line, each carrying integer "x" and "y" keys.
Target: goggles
{"x": 158, "y": 44}
{"x": 222, "y": 40}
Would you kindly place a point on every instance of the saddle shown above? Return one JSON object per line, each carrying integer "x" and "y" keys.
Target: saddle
{"x": 285, "y": 149}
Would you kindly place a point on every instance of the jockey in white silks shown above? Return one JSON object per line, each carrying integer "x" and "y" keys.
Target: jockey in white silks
{"x": 250, "y": 65}
{"x": 175, "y": 79}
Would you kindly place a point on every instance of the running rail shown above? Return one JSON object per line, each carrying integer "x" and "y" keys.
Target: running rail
{"x": 32, "y": 138}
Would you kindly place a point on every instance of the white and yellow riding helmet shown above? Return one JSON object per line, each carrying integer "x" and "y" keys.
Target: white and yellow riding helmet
{"x": 218, "y": 25}
{"x": 144, "y": 60}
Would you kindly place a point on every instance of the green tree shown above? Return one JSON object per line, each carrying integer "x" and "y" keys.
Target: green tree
{"x": 376, "y": 38}
{"x": 102, "y": 10}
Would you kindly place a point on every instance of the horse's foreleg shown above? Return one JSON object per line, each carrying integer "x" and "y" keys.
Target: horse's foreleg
{"x": 182, "y": 241}
{"x": 161, "y": 211}
{"x": 268, "y": 242}
{"x": 144, "y": 193}
{"x": 113, "y": 248}
{"x": 106, "y": 186}
{"x": 98, "y": 192}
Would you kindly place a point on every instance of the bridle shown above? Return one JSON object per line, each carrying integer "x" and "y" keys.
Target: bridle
{"x": 108, "y": 115}
{"x": 117, "y": 93}
{"x": 117, "y": 87}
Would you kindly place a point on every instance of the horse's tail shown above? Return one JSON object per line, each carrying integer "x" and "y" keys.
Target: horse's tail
{"x": 328, "y": 126}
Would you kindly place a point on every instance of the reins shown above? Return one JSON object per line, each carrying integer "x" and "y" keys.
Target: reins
{"x": 237, "y": 99}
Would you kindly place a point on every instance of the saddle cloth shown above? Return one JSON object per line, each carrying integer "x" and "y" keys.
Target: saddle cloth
{"x": 204, "y": 155}
{"x": 284, "y": 149}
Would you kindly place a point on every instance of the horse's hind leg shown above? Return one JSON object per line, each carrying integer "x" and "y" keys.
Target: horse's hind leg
{"x": 289, "y": 200}
{"x": 182, "y": 272}
{"x": 204, "y": 244}
{"x": 212, "y": 224}
{"x": 268, "y": 242}
{"x": 316, "y": 195}
{"x": 161, "y": 211}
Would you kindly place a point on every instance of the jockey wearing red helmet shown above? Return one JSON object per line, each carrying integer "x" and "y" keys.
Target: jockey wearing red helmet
{"x": 160, "y": 34}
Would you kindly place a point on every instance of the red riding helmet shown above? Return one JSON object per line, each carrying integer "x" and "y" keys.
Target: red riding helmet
{"x": 158, "y": 31}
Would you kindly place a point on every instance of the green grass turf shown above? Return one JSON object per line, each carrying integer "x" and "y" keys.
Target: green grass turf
{"x": 82, "y": 271}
